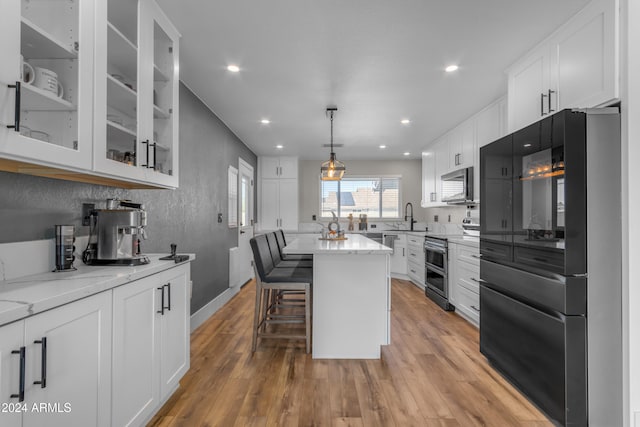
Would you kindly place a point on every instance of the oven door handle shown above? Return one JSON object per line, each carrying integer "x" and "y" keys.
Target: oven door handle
{"x": 438, "y": 249}
{"x": 435, "y": 268}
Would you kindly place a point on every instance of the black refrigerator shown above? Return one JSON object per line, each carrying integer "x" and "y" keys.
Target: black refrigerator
{"x": 550, "y": 269}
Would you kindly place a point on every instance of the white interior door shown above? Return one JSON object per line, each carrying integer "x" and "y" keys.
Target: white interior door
{"x": 245, "y": 219}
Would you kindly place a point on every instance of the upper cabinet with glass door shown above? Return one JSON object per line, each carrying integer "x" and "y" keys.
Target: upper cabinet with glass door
{"x": 46, "y": 82}
{"x": 135, "y": 120}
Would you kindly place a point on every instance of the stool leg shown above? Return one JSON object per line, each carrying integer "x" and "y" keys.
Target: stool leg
{"x": 256, "y": 316}
{"x": 307, "y": 310}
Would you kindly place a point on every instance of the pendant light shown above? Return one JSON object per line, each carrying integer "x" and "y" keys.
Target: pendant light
{"x": 332, "y": 170}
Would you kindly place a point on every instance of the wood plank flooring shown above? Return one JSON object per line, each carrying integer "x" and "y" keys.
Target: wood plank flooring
{"x": 432, "y": 374}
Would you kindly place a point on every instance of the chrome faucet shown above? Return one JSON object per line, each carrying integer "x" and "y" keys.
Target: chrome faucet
{"x": 413, "y": 221}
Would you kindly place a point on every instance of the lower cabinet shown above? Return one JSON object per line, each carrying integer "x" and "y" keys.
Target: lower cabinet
{"x": 464, "y": 276}
{"x": 415, "y": 259}
{"x": 151, "y": 344}
{"x": 110, "y": 359}
{"x": 399, "y": 255}
{"x": 53, "y": 369}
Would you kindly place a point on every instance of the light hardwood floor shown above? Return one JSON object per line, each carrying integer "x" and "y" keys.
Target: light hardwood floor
{"x": 432, "y": 374}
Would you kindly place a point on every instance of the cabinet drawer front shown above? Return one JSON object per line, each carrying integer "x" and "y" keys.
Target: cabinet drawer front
{"x": 415, "y": 240}
{"x": 469, "y": 276}
{"x": 415, "y": 255}
{"x": 416, "y": 272}
{"x": 469, "y": 303}
{"x": 469, "y": 254}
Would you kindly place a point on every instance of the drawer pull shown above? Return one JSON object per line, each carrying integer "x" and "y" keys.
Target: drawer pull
{"x": 475, "y": 308}
{"x": 478, "y": 256}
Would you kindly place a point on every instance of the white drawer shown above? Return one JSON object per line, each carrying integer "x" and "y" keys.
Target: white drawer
{"x": 416, "y": 272}
{"x": 469, "y": 254}
{"x": 468, "y": 276}
{"x": 415, "y": 240}
{"x": 468, "y": 304}
{"x": 415, "y": 254}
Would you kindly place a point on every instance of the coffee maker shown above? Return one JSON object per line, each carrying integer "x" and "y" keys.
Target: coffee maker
{"x": 118, "y": 230}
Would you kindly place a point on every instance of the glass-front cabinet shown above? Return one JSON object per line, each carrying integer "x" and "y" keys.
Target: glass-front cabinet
{"x": 46, "y": 78}
{"x": 136, "y": 93}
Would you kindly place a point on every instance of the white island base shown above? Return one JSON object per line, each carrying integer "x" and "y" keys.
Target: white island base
{"x": 351, "y": 296}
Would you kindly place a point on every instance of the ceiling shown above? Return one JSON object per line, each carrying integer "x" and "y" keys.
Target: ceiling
{"x": 378, "y": 61}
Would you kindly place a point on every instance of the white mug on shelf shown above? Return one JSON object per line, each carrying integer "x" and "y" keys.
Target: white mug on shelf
{"x": 48, "y": 80}
{"x": 27, "y": 73}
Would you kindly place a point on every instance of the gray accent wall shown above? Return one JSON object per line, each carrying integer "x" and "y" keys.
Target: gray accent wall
{"x": 30, "y": 206}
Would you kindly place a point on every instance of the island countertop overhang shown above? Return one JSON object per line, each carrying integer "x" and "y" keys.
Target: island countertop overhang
{"x": 354, "y": 244}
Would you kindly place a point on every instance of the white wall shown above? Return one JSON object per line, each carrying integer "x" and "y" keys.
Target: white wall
{"x": 411, "y": 191}
{"x": 630, "y": 95}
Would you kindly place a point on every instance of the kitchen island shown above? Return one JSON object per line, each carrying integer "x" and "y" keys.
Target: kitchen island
{"x": 351, "y": 295}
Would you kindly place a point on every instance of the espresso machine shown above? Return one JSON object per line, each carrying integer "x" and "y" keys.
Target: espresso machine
{"x": 115, "y": 234}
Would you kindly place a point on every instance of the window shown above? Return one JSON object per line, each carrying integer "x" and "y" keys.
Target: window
{"x": 377, "y": 197}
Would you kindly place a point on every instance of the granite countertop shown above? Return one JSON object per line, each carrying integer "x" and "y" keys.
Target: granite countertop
{"x": 29, "y": 295}
{"x": 355, "y": 244}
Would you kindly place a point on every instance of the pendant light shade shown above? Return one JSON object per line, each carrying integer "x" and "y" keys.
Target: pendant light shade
{"x": 333, "y": 169}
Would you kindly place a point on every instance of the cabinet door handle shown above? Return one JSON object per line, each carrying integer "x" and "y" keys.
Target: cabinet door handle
{"x": 402, "y": 251}
{"x": 542, "y": 97}
{"x": 475, "y": 308}
{"x": 161, "y": 311}
{"x": 474, "y": 279}
{"x": 476, "y": 256}
{"x": 146, "y": 165}
{"x": 168, "y": 285}
{"x": 16, "y": 115}
{"x": 155, "y": 152}
{"x": 20, "y": 394}
{"x": 551, "y": 110}
{"x": 43, "y": 362}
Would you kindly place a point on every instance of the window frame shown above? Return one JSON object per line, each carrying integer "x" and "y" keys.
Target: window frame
{"x": 364, "y": 178}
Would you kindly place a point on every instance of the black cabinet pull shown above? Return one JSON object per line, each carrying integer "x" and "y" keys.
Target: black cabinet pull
{"x": 161, "y": 311}
{"x": 43, "y": 362}
{"x": 542, "y": 97}
{"x": 168, "y": 285}
{"x": 146, "y": 165}
{"x": 551, "y": 110}
{"x": 475, "y": 308}
{"x": 16, "y": 115}
{"x": 539, "y": 259}
{"x": 155, "y": 151}
{"x": 20, "y": 394}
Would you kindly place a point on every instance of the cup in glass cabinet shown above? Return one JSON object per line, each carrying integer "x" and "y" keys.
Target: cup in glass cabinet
{"x": 27, "y": 74}
{"x": 46, "y": 79}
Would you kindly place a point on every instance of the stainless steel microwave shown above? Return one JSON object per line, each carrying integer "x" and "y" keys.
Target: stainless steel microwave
{"x": 457, "y": 187}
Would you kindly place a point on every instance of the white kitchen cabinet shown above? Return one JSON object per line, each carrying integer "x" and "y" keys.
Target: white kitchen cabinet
{"x": 52, "y": 124}
{"x": 462, "y": 145}
{"x": 136, "y": 103}
{"x": 12, "y": 354}
{"x": 415, "y": 259}
{"x": 279, "y": 167}
{"x": 491, "y": 124}
{"x": 399, "y": 257}
{"x": 151, "y": 343}
{"x": 464, "y": 276}
{"x": 278, "y": 195}
{"x": 429, "y": 191}
{"x": 575, "y": 67}
{"x": 66, "y": 365}
{"x": 114, "y": 118}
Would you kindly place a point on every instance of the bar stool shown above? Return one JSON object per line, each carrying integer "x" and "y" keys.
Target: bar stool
{"x": 270, "y": 282}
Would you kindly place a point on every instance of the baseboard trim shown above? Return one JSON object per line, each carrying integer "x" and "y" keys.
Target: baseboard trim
{"x": 201, "y": 316}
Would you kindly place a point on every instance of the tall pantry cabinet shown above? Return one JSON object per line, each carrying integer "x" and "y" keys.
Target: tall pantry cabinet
{"x": 278, "y": 193}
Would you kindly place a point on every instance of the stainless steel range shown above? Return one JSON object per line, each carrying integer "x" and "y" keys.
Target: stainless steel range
{"x": 436, "y": 271}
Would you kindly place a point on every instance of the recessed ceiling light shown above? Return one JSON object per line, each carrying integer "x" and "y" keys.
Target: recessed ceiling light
{"x": 233, "y": 68}
{"x": 265, "y": 121}
{"x": 406, "y": 153}
{"x": 405, "y": 121}
{"x": 383, "y": 147}
{"x": 279, "y": 146}
{"x": 451, "y": 68}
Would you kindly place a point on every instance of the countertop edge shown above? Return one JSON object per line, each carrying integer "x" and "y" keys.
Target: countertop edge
{"x": 27, "y": 296}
